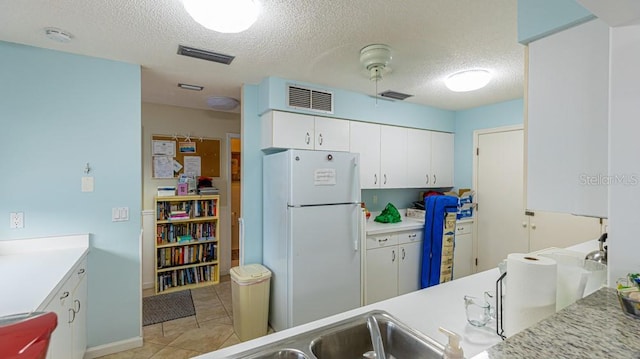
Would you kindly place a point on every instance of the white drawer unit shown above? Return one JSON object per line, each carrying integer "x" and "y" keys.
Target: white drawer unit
{"x": 393, "y": 264}
{"x": 463, "y": 259}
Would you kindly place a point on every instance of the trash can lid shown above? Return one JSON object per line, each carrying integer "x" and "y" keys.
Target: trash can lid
{"x": 249, "y": 273}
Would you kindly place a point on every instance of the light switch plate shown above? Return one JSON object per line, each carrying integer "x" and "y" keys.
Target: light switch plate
{"x": 87, "y": 184}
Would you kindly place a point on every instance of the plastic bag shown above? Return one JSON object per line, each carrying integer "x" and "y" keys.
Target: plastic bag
{"x": 390, "y": 214}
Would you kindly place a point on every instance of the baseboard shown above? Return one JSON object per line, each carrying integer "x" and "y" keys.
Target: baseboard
{"x": 148, "y": 285}
{"x": 112, "y": 348}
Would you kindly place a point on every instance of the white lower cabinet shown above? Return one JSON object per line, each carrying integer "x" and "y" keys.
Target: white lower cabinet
{"x": 69, "y": 339}
{"x": 392, "y": 265}
{"x": 463, "y": 259}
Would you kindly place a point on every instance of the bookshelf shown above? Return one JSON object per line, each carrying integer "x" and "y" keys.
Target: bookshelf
{"x": 187, "y": 242}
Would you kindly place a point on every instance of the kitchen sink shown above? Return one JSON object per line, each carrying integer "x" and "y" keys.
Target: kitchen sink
{"x": 351, "y": 338}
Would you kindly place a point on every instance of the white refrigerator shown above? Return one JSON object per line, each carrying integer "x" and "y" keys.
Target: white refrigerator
{"x": 311, "y": 243}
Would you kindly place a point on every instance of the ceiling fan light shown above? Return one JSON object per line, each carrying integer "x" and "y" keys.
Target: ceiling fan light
{"x": 468, "y": 80}
{"x": 226, "y": 16}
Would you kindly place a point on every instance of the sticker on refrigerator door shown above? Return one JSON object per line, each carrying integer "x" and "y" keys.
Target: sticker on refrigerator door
{"x": 324, "y": 177}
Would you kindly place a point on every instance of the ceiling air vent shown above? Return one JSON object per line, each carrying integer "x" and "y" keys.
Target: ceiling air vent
{"x": 309, "y": 99}
{"x": 394, "y": 95}
{"x": 205, "y": 55}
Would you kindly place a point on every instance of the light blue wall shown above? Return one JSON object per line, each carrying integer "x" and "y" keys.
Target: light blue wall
{"x": 490, "y": 116}
{"x": 539, "y": 18}
{"x": 57, "y": 112}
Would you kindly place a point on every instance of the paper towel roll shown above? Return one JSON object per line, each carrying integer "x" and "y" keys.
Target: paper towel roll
{"x": 531, "y": 291}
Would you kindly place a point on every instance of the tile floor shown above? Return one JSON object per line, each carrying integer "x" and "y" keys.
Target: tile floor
{"x": 210, "y": 329}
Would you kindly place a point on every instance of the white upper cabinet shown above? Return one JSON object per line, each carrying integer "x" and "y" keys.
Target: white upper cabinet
{"x": 567, "y": 123}
{"x": 331, "y": 134}
{"x": 419, "y": 158}
{"x": 305, "y": 132}
{"x": 441, "y": 159}
{"x": 393, "y": 157}
{"x": 365, "y": 140}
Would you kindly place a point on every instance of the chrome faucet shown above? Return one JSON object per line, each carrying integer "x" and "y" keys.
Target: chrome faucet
{"x": 376, "y": 337}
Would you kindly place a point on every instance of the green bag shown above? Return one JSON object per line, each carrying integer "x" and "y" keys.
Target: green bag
{"x": 390, "y": 214}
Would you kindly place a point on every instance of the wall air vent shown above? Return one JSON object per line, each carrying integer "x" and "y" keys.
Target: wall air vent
{"x": 394, "y": 95}
{"x": 205, "y": 55}
{"x": 309, "y": 99}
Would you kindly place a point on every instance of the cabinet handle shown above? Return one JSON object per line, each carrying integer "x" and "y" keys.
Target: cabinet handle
{"x": 64, "y": 295}
{"x": 403, "y": 254}
{"x": 81, "y": 271}
{"x": 427, "y": 178}
{"x": 76, "y": 301}
{"x": 320, "y": 139}
{"x": 393, "y": 255}
{"x": 460, "y": 228}
{"x": 413, "y": 235}
{"x": 375, "y": 178}
{"x": 383, "y": 240}
{"x": 307, "y": 138}
{"x": 385, "y": 178}
{"x": 435, "y": 179}
{"x": 72, "y": 315}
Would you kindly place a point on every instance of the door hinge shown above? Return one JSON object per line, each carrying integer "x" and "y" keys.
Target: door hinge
{"x": 476, "y": 262}
{"x": 529, "y": 213}
{"x": 477, "y": 151}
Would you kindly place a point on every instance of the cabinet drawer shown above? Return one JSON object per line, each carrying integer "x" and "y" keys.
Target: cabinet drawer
{"x": 410, "y": 236}
{"x": 464, "y": 228}
{"x": 383, "y": 240}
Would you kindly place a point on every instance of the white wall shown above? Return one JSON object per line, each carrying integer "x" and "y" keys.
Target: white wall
{"x": 172, "y": 120}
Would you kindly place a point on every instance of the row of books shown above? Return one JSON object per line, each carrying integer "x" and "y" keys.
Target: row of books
{"x": 185, "y": 276}
{"x": 189, "y": 254}
{"x": 185, "y": 232}
{"x": 186, "y": 209}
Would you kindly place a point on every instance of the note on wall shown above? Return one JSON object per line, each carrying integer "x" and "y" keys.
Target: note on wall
{"x": 163, "y": 148}
{"x": 163, "y": 166}
{"x": 192, "y": 165}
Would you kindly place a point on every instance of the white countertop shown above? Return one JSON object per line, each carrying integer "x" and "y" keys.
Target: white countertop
{"x": 30, "y": 278}
{"x": 424, "y": 310}
{"x": 407, "y": 224}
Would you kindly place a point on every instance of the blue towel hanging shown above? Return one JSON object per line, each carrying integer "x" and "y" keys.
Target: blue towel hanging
{"x": 436, "y": 208}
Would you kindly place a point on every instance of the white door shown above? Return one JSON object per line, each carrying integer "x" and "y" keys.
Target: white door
{"x": 393, "y": 156}
{"x": 501, "y": 224}
{"x": 365, "y": 140}
{"x": 382, "y": 274}
{"x": 419, "y": 158}
{"x": 409, "y": 267}
{"x": 442, "y": 159}
{"x": 331, "y": 134}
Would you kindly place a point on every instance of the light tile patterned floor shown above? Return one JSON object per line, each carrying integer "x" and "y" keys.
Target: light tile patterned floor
{"x": 210, "y": 329}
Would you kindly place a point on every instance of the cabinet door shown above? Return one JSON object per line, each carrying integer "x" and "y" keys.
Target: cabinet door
{"x": 409, "y": 267}
{"x": 365, "y": 140}
{"x": 79, "y": 319}
{"x": 60, "y": 342}
{"x": 287, "y": 130}
{"x": 418, "y": 158}
{"x": 463, "y": 251}
{"x": 393, "y": 157}
{"x": 567, "y": 126}
{"x": 331, "y": 134}
{"x": 441, "y": 159}
{"x": 382, "y": 274}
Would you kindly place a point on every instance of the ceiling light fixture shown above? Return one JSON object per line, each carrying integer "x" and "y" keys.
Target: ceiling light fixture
{"x": 58, "y": 35}
{"x": 226, "y": 16}
{"x": 191, "y": 87}
{"x": 222, "y": 103}
{"x": 468, "y": 80}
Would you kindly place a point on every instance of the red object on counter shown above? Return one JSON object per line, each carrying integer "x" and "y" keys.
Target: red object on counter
{"x": 26, "y": 336}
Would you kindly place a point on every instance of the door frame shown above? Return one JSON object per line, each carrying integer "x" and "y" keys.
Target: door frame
{"x": 474, "y": 184}
{"x": 229, "y": 181}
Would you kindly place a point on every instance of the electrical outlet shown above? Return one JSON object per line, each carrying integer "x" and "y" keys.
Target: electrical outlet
{"x": 16, "y": 220}
{"x": 375, "y": 199}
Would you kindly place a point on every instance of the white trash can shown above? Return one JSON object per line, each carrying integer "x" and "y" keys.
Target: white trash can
{"x": 250, "y": 297}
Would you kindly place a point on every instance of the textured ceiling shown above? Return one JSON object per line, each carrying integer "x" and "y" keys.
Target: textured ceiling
{"x": 307, "y": 41}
